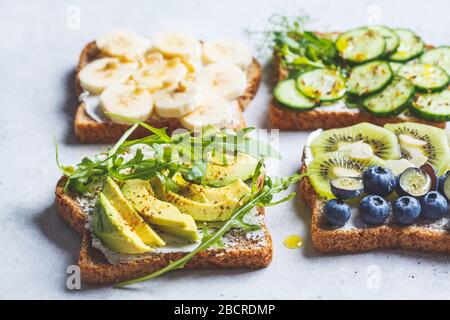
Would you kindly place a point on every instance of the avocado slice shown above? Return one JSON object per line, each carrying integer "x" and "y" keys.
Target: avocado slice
{"x": 188, "y": 233}
{"x": 241, "y": 167}
{"x": 132, "y": 218}
{"x": 200, "y": 211}
{"x": 151, "y": 209}
{"x": 108, "y": 225}
{"x": 201, "y": 193}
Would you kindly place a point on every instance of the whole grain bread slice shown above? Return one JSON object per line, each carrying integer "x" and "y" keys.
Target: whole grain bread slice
{"x": 284, "y": 118}
{"x": 245, "y": 253}
{"x": 88, "y": 130}
{"x": 325, "y": 239}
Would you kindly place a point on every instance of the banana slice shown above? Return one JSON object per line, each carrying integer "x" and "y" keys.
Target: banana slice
{"x": 161, "y": 74}
{"x": 99, "y": 74}
{"x": 177, "y": 103}
{"x": 213, "y": 110}
{"x": 123, "y": 44}
{"x": 223, "y": 79}
{"x": 126, "y": 99}
{"x": 173, "y": 44}
{"x": 228, "y": 51}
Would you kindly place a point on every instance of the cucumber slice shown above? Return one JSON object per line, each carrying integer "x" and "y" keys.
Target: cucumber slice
{"x": 322, "y": 84}
{"x": 411, "y": 46}
{"x": 391, "y": 38}
{"x": 439, "y": 57}
{"x": 432, "y": 106}
{"x": 288, "y": 95}
{"x": 360, "y": 45}
{"x": 425, "y": 77}
{"x": 395, "y": 66}
{"x": 392, "y": 100}
{"x": 369, "y": 78}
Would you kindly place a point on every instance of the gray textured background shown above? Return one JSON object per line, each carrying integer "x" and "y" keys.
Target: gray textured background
{"x": 38, "y": 53}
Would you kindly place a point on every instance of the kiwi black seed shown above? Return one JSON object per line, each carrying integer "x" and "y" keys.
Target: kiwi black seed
{"x": 329, "y": 166}
{"x": 436, "y": 148}
{"x": 383, "y": 142}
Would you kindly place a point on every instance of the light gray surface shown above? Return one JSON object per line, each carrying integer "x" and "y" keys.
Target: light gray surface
{"x": 38, "y": 53}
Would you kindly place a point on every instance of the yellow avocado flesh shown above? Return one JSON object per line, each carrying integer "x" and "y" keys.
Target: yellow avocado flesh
{"x": 108, "y": 225}
{"x": 188, "y": 233}
{"x": 200, "y": 211}
{"x": 240, "y": 167}
{"x": 131, "y": 217}
{"x": 202, "y": 193}
{"x": 151, "y": 209}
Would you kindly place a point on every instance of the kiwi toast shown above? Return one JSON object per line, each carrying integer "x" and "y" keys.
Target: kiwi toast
{"x": 371, "y": 192}
{"x": 143, "y": 210}
{"x": 174, "y": 97}
{"x": 324, "y": 82}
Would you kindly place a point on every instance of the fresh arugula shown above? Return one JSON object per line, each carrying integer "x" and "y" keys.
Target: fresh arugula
{"x": 297, "y": 48}
{"x": 185, "y": 152}
{"x": 260, "y": 196}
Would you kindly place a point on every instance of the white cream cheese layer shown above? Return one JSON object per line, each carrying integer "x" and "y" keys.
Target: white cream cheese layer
{"x": 231, "y": 239}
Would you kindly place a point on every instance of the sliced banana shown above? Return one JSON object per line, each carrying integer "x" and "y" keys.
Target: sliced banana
{"x": 99, "y": 74}
{"x": 126, "y": 99}
{"x": 179, "y": 102}
{"x": 174, "y": 44}
{"x": 223, "y": 79}
{"x": 123, "y": 44}
{"x": 213, "y": 110}
{"x": 160, "y": 74}
{"x": 228, "y": 51}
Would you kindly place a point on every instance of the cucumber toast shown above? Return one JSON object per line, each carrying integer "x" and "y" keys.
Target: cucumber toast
{"x": 369, "y": 74}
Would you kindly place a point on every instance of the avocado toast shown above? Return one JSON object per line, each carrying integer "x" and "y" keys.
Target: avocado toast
{"x": 178, "y": 86}
{"x": 371, "y": 187}
{"x": 145, "y": 207}
{"x": 369, "y": 74}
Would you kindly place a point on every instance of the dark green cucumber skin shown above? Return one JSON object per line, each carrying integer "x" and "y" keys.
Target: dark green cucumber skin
{"x": 356, "y": 63}
{"x": 377, "y": 90}
{"x": 324, "y": 100}
{"x": 411, "y": 57}
{"x": 394, "y": 112}
{"x": 291, "y": 106}
{"x": 428, "y": 116}
{"x": 435, "y": 89}
{"x": 296, "y": 109}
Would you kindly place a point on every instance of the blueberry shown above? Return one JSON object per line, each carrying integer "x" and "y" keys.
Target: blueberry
{"x": 378, "y": 181}
{"x": 407, "y": 210}
{"x": 434, "y": 205}
{"x": 441, "y": 182}
{"x": 347, "y": 187}
{"x": 337, "y": 212}
{"x": 374, "y": 209}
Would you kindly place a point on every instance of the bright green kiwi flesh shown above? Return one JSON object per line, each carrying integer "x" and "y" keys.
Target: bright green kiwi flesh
{"x": 435, "y": 147}
{"x": 383, "y": 142}
{"x": 329, "y": 166}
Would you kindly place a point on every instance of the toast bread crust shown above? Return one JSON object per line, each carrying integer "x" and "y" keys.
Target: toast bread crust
{"x": 96, "y": 269}
{"x": 287, "y": 119}
{"x": 87, "y": 130}
{"x": 364, "y": 239}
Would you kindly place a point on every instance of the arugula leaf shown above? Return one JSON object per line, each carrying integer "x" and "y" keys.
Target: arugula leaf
{"x": 297, "y": 48}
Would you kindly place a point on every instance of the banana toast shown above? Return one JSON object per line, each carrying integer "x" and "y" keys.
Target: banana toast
{"x": 240, "y": 252}
{"x": 88, "y": 130}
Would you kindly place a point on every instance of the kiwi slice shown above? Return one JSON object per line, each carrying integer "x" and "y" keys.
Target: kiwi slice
{"x": 420, "y": 140}
{"x": 383, "y": 142}
{"x": 329, "y": 166}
